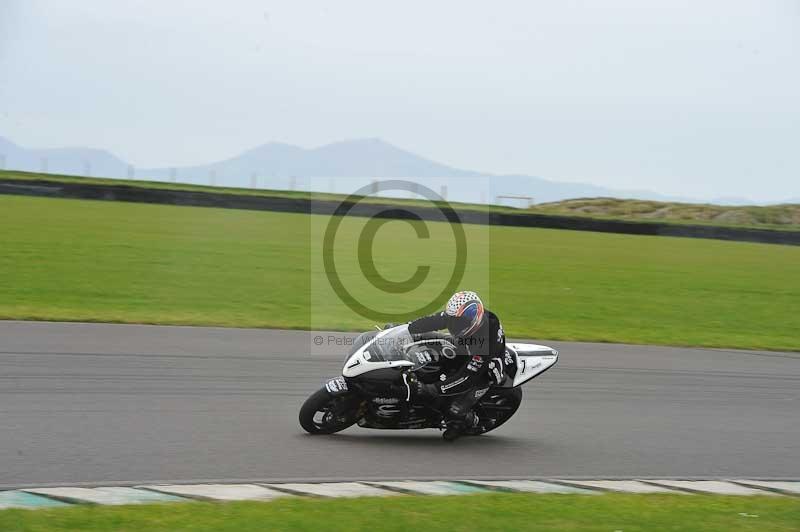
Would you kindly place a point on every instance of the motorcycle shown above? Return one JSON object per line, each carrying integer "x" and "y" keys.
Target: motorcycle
{"x": 375, "y": 387}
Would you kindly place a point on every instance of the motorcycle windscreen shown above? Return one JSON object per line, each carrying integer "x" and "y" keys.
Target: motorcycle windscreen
{"x": 385, "y": 350}
{"x": 390, "y": 345}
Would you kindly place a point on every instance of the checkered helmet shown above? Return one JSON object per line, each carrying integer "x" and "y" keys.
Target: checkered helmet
{"x": 465, "y": 314}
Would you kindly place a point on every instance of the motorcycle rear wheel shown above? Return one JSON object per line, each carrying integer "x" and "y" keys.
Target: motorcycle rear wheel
{"x": 323, "y": 413}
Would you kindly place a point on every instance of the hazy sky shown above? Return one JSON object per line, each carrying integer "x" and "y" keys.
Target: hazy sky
{"x": 693, "y": 98}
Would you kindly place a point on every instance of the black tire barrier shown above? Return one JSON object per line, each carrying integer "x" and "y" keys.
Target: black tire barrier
{"x": 43, "y": 188}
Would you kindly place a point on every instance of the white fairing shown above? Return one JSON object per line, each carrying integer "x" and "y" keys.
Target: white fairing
{"x": 360, "y": 363}
{"x": 532, "y": 360}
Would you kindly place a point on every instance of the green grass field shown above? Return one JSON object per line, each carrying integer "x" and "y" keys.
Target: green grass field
{"x": 138, "y": 263}
{"x": 506, "y": 512}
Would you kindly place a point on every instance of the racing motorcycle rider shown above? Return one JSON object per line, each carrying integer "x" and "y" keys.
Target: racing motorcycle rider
{"x": 477, "y": 334}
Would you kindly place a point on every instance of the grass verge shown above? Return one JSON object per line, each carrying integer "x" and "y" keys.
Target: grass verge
{"x": 76, "y": 260}
{"x": 777, "y": 217}
{"x": 500, "y": 512}
{"x": 34, "y": 177}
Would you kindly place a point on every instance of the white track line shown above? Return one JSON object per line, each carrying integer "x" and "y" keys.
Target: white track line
{"x": 531, "y": 486}
{"x": 333, "y": 489}
{"x": 435, "y": 487}
{"x": 777, "y": 485}
{"x": 110, "y": 495}
{"x": 716, "y": 487}
{"x": 624, "y": 486}
{"x": 220, "y": 492}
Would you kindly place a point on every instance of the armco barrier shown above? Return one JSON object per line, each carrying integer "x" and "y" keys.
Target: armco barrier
{"x": 264, "y": 203}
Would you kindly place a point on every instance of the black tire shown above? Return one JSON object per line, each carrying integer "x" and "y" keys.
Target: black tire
{"x": 338, "y": 413}
{"x": 499, "y": 405}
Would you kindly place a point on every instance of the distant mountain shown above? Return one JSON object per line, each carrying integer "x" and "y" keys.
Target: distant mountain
{"x": 73, "y": 161}
{"x": 339, "y": 167}
{"x": 276, "y": 162}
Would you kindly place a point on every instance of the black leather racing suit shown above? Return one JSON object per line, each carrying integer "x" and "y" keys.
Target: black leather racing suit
{"x": 486, "y": 349}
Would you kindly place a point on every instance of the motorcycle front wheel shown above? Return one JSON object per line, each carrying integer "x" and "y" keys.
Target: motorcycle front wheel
{"x": 495, "y": 408}
{"x": 323, "y": 413}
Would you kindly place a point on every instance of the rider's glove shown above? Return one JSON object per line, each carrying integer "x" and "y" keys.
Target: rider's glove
{"x": 420, "y": 389}
{"x": 428, "y": 390}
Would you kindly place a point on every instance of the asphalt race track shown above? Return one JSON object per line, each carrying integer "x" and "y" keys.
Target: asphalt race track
{"x": 110, "y": 404}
